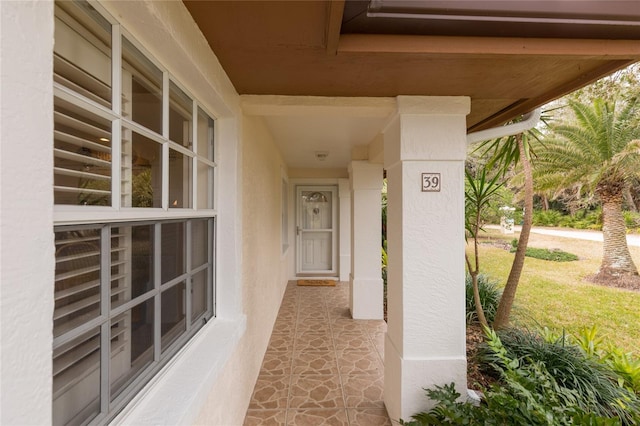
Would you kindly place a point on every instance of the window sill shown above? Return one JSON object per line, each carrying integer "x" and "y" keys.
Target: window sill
{"x": 179, "y": 390}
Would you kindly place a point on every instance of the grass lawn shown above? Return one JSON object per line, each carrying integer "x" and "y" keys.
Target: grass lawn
{"x": 555, "y": 295}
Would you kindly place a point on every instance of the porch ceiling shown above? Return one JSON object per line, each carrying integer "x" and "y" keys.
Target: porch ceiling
{"x": 509, "y": 57}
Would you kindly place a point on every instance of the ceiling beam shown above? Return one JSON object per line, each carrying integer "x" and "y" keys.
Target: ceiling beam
{"x": 482, "y": 46}
{"x": 278, "y": 105}
{"x": 334, "y": 23}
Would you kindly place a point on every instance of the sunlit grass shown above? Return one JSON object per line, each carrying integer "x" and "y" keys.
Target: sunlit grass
{"x": 555, "y": 295}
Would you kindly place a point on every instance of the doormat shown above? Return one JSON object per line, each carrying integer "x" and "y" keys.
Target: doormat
{"x": 317, "y": 282}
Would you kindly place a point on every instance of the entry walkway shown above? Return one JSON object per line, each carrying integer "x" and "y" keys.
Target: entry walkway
{"x": 321, "y": 366}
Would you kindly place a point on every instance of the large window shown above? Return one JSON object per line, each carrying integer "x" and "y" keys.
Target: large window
{"x": 134, "y": 168}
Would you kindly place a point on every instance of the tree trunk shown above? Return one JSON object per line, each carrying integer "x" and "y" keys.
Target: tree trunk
{"x": 545, "y": 203}
{"x": 509, "y": 294}
{"x": 616, "y": 259}
{"x": 629, "y": 200}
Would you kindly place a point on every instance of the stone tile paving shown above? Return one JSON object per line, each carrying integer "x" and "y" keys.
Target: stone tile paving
{"x": 321, "y": 366}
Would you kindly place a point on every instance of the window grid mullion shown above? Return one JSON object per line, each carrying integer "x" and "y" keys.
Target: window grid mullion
{"x": 157, "y": 271}
{"x": 189, "y": 283}
{"x": 194, "y": 147}
{"x": 165, "y": 105}
{"x": 116, "y": 125}
{"x": 165, "y": 135}
{"x": 211, "y": 276}
{"x": 165, "y": 176}
{"x": 116, "y": 70}
{"x": 116, "y": 164}
{"x": 105, "y": 327}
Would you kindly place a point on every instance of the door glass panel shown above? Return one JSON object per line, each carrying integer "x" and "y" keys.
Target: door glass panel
{"x": 316, "y": 209}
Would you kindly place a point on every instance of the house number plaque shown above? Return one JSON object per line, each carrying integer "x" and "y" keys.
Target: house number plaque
{"x": 431, "y": 182}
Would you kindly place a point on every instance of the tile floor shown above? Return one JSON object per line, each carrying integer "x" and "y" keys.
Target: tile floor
{"x": 321, "y": 366}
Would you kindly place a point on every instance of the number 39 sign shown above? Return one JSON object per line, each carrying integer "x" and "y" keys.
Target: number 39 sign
{"x": 431, "y": 182}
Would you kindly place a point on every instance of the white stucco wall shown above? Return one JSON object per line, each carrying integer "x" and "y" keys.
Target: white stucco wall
{"x": 26, "y": 212}
{"x": 263, "y": 269}
{"x": 211, "y": 379}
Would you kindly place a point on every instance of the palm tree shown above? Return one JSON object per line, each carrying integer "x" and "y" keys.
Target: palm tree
{"x": 507, "y": 153}
{"x": 598, "y": 153}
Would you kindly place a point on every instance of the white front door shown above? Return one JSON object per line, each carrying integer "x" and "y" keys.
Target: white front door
{"x": 315, "y": 229}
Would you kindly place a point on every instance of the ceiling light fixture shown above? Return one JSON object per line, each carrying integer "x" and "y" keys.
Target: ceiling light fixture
{"x": 322, "y": 155}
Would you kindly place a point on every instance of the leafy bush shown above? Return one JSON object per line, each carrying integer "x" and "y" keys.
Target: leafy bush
{"x": 547, "y": 218}
{"x": 624, "y": 364}
{"x": 582, "y": 219}
{"x": 632, "y": 220}
{"x": 489, "y": 297}
{"x": 555, "y": 255}
{"x": 595, "y": 386}
{"x": 529, "y": 395}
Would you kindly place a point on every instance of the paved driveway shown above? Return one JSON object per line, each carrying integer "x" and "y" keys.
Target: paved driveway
{"x": 578, "y": 234}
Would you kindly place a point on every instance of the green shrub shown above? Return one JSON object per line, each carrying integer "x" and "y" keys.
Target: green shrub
{"x": 547, "y": 218}
{"x": 624, "y": 364}
{"x": 489, "y": 297}
{"x": 594, "y": 385}
{"x": 528, "y": 395}
{"x": 555, "y": 255}
{"x": 581, "y": 219}
{"x": 632, "y": 220}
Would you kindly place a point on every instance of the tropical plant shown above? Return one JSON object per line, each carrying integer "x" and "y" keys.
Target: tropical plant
{"x": 489, "y": 298}
{"x": 506, "y": 153}
{"x": 529, "y": 394}
{"x": 624, "y": 364}
{"x": 598, "y": 152}
{"x": 594, "y": 384}
{"x": 478, "y": 195}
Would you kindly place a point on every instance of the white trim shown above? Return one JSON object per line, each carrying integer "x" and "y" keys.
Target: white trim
{"x": 67, "y": 215}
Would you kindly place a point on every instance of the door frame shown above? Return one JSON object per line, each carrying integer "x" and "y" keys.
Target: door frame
{"x": 333, "y": 189}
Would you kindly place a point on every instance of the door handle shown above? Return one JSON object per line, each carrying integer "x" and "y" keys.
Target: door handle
{"x": 297, "y": 230}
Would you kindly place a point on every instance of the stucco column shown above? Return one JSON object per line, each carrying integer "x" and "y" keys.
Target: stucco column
{"x": 27, "y": 260}
{"x": 344, "y": 193}
{"x": 425, "y": 340}
{"x": 366, "y": 222}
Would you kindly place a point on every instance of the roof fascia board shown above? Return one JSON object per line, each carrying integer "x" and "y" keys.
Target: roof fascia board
{"x": 446, "y": 45}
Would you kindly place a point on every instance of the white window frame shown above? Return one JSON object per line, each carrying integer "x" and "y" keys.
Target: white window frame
{"x": 116, "y": 215}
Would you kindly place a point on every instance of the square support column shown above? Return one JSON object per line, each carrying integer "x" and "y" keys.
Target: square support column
{"x": 366, "y": 235}
{"x": 425, "y": 149}
{"x": 344, "y": 194}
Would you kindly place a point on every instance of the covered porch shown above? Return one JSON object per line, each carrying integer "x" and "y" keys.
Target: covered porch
{"x": 321, "y": 366}
{"x": 323, "y": 96}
